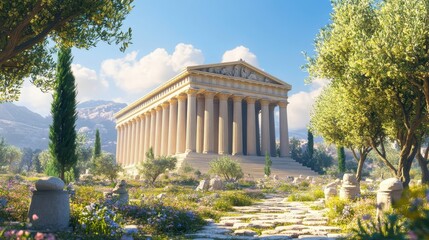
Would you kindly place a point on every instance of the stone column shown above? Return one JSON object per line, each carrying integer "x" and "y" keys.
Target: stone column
{"x": 191, "y": 121}
{"x": 123, "y": 143}
{"x": 284, "y": 136}
{"x": 118, "y": 142}
{"x": 216, "y": 125}
{"x": 152, "y": 129}
{"x": 158, "y": 132}
{"x": 237, "y": 135}
{"x": 200, "y": 124}
{"x": 251, "y": 128}
{"x": 272, "y": 131}
{"x": 164, "y": 130}
{"x": 209, "y": 123}
{"x": 142, "y": 137}
{"x": 131, "y": 142}
{"x": 147, "y": 134}
{"x": 126, "y": 153}
{"x": 136, "y": 140}
{"x": 181, "y": 124}
{"x": 172, "y": 127}
{"x": 223, "y": 124}
{"x": 265, "y": 128}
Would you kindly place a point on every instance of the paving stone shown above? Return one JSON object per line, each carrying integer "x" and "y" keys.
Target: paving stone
{"x": 230, "y": 222}
{"x": 245, "y": 232}
{"x": 240, "y": 225}
{"x": 291, "y": 227}
{"x": 313, "y": 237}
{"x": 275, "y": 237}
{"x": 315, "y": 223}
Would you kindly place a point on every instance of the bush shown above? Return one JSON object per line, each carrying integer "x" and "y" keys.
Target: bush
{"x": 105, "y": 165}
{"x": 226, "y": 167}
{"x": 152, "y": 167}
{"x": 97, "y": 220}
{"x": 14, "y": 201}
{"x": 306, "y": 196}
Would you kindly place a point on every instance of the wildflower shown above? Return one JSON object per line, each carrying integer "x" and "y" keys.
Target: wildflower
{"x": 412, "y": 235}
{"x": 35, "y": 217}
{"x": 366, "y": 217}
{"x": 39, "y": 236}
{"x": 50, "y": 236}
{"x": 427, "y": 195}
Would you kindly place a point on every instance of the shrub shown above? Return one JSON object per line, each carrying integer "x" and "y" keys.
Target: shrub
{"x": 105, "y": 165}
{"x": 152, "y": 167}
{"x": 268, "y": 163}
{"x": 226, "y": 167}
{"x": 97, "y": 220}
{"x": 14, "y": 201}
{"x": 86, "y": 195}
{"x": 306, "y": 196}
{"x": 157, "y": 217}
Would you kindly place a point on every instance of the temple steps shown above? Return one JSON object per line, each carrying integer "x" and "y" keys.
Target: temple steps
{"x": 252, "y": 166}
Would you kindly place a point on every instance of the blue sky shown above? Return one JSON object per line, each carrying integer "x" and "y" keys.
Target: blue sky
{"x": 167, "y": 35}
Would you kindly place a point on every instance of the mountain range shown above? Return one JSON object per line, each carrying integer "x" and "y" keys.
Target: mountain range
{"x": 21, "y": 127}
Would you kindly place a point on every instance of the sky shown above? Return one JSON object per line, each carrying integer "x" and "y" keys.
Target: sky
{"x": 170, "y": 35}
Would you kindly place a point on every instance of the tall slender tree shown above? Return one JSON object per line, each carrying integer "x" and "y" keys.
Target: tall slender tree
{"x": 97, "y": 145}
{"x": 62, "y": 132}
{"x": 341, "y": 159}
{"x": 310, "y": 144}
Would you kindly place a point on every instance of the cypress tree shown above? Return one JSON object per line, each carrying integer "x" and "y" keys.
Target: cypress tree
{"x": 97, "y": 145}
{"x": 310, "y": 144}
{"x": 62, "y": 133}
{"x": 341, "y": 159}
{"x": 268, "y": 163}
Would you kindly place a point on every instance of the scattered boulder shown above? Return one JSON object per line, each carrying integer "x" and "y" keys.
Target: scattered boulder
{"x": 49, "y": 184}
{"x": 330, "y": 192}
{"x": 350, "y": 188}
{"x": 275, "y": 178}
{"x": 50, "y": 207}
{"x": 161, "y": 196}
{"x": 120, "y": 193}
{"x": 203, "y": 186}
{"x": 390, "y": 191}
{"x": 216, "y": 184}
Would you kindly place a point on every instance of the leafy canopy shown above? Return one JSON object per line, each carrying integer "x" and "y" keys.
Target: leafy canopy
{"x": 30, "y": 28}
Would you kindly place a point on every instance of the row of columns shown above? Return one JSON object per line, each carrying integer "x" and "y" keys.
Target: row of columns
{"x": 187, "y": 124}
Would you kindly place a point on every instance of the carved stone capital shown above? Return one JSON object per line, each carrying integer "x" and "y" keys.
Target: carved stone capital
{"x": 250, "y": 100}
{"x": 264, "y": 102}
{"x": 223, "y": 96}
{"x": 209, "y": 94}
{"x": 237, "y": 98}
{"x": 282, "y": 104}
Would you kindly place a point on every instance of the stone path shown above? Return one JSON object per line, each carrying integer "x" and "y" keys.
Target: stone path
{"x": 273, "y": 218}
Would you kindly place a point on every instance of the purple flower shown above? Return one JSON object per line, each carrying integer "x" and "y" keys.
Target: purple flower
{"x": 366, "y": 217}
{"x": 412, "y": 235}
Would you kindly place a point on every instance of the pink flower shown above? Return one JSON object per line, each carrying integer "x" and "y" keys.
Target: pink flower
{"x": 50, "y": 236}
{"x": 35, "y": 217}
{"x": 19, "y": 233}
{"x": 39, "y": 236}
{"x": 412, "y": 235}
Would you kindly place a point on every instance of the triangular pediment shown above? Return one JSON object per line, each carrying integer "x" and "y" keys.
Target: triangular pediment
{"x": 239, "y": 69}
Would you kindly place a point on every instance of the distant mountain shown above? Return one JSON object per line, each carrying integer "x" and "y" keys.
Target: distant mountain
{"x": 24, "y": 128}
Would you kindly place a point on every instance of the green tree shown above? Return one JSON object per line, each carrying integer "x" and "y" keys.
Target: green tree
{"x": 341, "y": 159}
{"x": 105, "y": 165}
{"x": 310, "y": 144}
{"x": 29, "y": 27}
{"x": 97, "y": 145}
{"x": 152, "y": 167}
{"x": 268, "y": 163}
{"x": 224, "y": 166}
{"x": 361, "y": 50}
{"x": 62, "y": 132}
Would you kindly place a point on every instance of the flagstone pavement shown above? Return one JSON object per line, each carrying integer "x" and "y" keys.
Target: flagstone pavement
{"x": 273, "y": 218}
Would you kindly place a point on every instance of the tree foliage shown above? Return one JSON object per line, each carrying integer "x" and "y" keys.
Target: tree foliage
{"x": 377, "y": 51}
{"x": 268, "y": 163}
{"x": 97, "y": 145}
{"x": 62, "y": 132}
{"x": 341, "y": 159}
{"x": 152, "y": 167}
{"x": 10, "y": 157}
{"x": 310, "y": 144}
{"x": 226, "y": 167}
{"x": 105, "y": 165}
{"x": 29, "y": 27}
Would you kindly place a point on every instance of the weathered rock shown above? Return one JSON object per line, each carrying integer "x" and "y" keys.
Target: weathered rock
{"x": 245, "y": 232}
{"x": 216, "y": 184}
{"x": 49, "y": 184}
{"x": 49, "y": 210}
{"x": 120, "y": 193}
{"x": 350, "y": 188}
{"x": 390, "y": 191}
{"x": 161, "y": 196}
{"x": 330, "y": 192}
{"x": 203, "y": 186}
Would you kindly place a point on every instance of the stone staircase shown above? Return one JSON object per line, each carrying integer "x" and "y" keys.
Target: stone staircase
{"x": 252, "y": 166}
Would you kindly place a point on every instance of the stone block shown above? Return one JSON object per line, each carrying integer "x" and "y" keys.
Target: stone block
{"x": 330, "y": 192}
{"x": 49, "y": 184}
{"x": 390, "y": 191}
{"x": 49, "y": 210}
{"x": 216, "y": 184}
{"x": 203, "y": 186}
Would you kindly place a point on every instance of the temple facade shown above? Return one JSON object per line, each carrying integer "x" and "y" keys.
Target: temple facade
{"x": 225, "y": 108}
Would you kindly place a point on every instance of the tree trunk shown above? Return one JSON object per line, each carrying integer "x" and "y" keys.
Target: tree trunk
{"x": 424, "y": 167}
{"x": 360, "y": 167}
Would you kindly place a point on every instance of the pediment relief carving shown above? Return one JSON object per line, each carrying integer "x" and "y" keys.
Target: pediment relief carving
{"x": 238, "y": 71}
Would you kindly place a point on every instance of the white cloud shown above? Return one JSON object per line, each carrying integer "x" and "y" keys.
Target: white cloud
{"x": 34, "y": 99}
{"x": 89, "y": 85}
{"x": 238, "y": 53}
{"x": 301, "y": 103}
{"x": 135, "y": 75}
